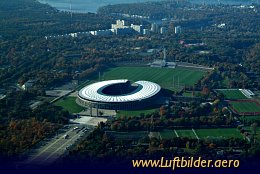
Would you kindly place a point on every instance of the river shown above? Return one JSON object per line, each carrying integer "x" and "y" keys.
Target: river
{"x": 84, "y": 6}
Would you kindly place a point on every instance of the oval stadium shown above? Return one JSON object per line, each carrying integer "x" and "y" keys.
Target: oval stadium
{"x": 119, "y": 95}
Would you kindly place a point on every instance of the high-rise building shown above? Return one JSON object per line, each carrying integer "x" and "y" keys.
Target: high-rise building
{"x": 163, "y": 30}
{"x": 119, "y": 24}
{"x": 146, "y": 31}
{"x": 121, "y": 28}
{"x": 154, "y": 28}
{"x": 138, "y": 28}
{"x": 177, "y": 29}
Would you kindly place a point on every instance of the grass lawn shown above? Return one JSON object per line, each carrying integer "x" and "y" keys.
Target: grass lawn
{"x": 186, "y": 133}
{"x": 162, "y": 76}
{"x": 69, "y": 104}
{"x": 218, "y": 133}
{"x": 232, "y": 94}
{"x": 167, "y": 134}
{"x": 249, "y": 129}
{"x": 250, "y": 118}
{"x": 136, "y": 112}
{"x": 244, "y": 106}
{"x": 189, "y": 94}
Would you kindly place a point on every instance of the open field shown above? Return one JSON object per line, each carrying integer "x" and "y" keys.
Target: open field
{"x": 232, "y": 94}
{"x": 69, "y": 104}
{"x": 250, "y": 118}
{"x": 202, "y": 133}
{"x": 168, "y": 134}
{"x": 218, "y": 133}
{"x": 186, "y": 133}
{"x": 136, "y": 112}
{"x": 166, "y": 77}
{"x": 245, "y": 107}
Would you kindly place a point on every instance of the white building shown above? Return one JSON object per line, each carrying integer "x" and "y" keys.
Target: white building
{"x": 177, "y": 29}
{"x": 155, "y": 28}
{"x": 163, "y": 30}
{"x": 138, "y": 28}
{"x": 28, "y": 85}
{"x": 73, "y": 34}
{"x": 146, "y": 31}
{"x": 102, "y": 32}
{"x": 119, "y": 24}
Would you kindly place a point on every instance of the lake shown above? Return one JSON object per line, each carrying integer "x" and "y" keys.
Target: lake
{"x": 84, "y": 6}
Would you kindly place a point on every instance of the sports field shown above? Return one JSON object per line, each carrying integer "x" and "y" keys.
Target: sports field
{"x": 166, "y": 77}
{"x": 232, "y": 94}
{"x": 186, "y": 133}
{"x": 247, "y": 107}
{"x": 168, "y": 134}
{"x": 69, "y": 104}
{"x": 202, "y": 133}
{"x": 218, "y": 133}
{"x": 250, "y": 118}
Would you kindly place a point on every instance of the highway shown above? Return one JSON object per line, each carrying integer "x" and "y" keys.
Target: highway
{"x": 57, "y": 146}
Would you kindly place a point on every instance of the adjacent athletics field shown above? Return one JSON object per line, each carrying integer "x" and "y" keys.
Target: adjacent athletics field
{"x": 232, "y": 94}
{"x": 245, "y": 107}
{"x": 166, "y": 77}
{"x": 201, "y": 133}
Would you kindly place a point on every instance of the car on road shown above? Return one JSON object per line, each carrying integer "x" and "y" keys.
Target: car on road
{"x": 66, "y": 136}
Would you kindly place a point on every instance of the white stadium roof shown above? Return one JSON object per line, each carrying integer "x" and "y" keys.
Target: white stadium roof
{"x": 91, "y": 92}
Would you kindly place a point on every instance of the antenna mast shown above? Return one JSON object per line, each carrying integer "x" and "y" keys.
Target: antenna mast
{"x": 70, "y": 14}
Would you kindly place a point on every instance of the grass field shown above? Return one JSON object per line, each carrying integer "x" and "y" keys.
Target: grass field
{"x": 162, "y": 76}
{"x": 136, "y": 112}
{"x": 250, "y": 118}
{"x": 202, "y": 133}
{"x": 232, "y": 94}
{"x": 245, "y": 106}
{"x": 186, "y": 133}
{"x": 167, "y": 134}
{"x": 189, "y": 94}
{"x": 218, "y": 133}
{"x": 69, "y": 104}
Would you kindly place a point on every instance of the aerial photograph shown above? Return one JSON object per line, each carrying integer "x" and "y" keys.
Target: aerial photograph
{"x": 129, "y": 86}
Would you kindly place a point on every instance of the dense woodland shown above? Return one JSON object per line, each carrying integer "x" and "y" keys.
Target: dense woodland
{"x": 26, "y": 54}
{"x": 21, "y": 127}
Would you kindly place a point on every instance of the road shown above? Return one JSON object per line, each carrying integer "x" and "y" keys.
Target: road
{"x": 57, "y": 146}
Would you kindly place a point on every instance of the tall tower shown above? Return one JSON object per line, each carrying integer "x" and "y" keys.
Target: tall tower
{"x": 70, "y": 15}
{"x": 164, "y": 55}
